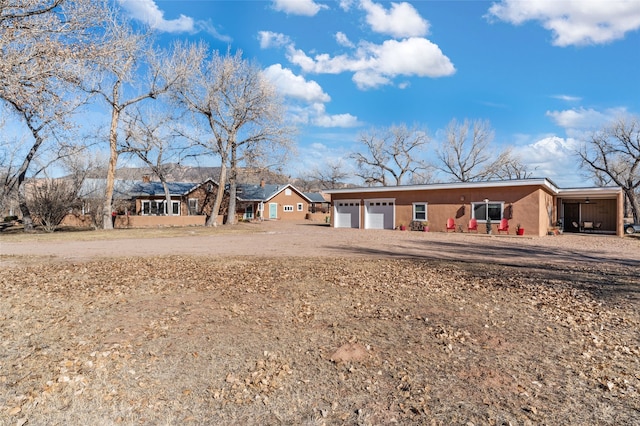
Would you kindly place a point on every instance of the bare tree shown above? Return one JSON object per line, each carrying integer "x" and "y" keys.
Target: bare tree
{"x": 612, "y": 154}
{"x": 50, "y": 200}
{"x": 467, "y": 154}
{"x": 44, "y": 49}
{"x": 330, "y": 175}
{"x": 149, "y": 137}
{"x": 509, "y": 166}
{"x": 119, "y": 85}
{"x": 241, "y": 114}
{"x": 392, "y": 153}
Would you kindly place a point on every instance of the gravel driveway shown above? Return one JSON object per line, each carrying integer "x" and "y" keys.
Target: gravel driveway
{"x": 306, "y": 239}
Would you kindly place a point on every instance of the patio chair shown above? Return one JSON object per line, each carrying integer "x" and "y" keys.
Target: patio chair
{"x": 504, "y": 226}
{"x": 451, "y": 225}
{"x": 587, "y": 226}
{"x": 473, "y": 226}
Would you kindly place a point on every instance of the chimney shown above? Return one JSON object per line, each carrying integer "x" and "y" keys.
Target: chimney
{"x": 261, "y": 183}
{"x": 146, "y": 178}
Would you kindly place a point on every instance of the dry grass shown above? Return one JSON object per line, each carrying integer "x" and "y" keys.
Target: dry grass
{"x": 17, "y": 234}
{"x": 246, "y": 340}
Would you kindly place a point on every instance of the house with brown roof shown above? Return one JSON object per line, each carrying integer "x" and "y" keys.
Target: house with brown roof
{"x": 536, "y": 206}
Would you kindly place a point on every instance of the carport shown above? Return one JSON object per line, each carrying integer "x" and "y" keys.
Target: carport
{"x": 590, "y": 210}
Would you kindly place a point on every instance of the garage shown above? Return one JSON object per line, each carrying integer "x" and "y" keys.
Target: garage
{"x": 347, "y": 214}
{"x": 379, "y": 213}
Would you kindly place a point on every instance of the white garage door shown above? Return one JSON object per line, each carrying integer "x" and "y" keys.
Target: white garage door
{"x": 347, "y": 214}
{"x": 379, "y": 214}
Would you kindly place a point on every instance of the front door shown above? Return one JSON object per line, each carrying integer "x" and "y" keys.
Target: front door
{"x": 571, "y": 217}
{"x": 273, "y": 210}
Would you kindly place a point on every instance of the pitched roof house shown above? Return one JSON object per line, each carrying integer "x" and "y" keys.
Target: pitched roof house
{"x": 536, "y": 206}
{"x": 269, "y": 201}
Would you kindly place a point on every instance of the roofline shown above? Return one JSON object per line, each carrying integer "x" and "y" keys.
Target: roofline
{"x": 599, "y": 191}
{"x": 276, "y": 193}
{"x": 453, "y": 185}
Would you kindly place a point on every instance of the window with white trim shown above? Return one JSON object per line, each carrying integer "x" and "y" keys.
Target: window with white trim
{"x": 159, "y": 208}
{"x": 287, "y": 191}
{"x": 300, "y": 206}
{"x": 288, "y": 208}
{"x": 482, "y": 210}
{"x": 420, "y": 212}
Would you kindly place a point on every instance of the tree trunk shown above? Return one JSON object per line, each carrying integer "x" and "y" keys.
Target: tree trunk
{"x": 634, "y": 203}
{"x": 107, "y": 208}
{"x": 212, "y": 220}
{"x": 233, "y": 183}
{"x": 167, "y": 197}
{"x": 27, "y": 222}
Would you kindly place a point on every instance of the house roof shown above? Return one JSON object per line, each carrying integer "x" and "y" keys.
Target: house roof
{"x": 156, "y": 188}
{"x": 247, "y": 192}
{"x": 96, "y": 188}
{"x": 126, "y": 189}
{"x": 315, "y": 197}
{"x": 606, "y": 191}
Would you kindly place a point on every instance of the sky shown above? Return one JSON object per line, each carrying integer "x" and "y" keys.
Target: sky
{"x": 543, "y": 73}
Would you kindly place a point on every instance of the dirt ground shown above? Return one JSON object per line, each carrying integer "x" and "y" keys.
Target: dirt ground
{"x": 276, "y": 323}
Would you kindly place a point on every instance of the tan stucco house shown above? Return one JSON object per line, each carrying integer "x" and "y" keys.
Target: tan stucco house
{"x": 272, "y": 202}
{"x": 537, "y": 206}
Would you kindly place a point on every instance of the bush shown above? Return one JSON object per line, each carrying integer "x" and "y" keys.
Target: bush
{"x": 10, "y": 218}
{"x": 50, "y": 201}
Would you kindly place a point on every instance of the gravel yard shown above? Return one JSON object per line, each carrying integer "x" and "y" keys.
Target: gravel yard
{"x": 277, "y": 323}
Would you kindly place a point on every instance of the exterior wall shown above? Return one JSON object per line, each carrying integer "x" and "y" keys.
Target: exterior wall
{"x": 287, "y": 200}
{"x": 522, "y": 205}
{"x": 123, "y": 221}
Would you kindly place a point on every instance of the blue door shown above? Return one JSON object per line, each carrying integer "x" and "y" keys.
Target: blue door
{"x": 273, "y": 210}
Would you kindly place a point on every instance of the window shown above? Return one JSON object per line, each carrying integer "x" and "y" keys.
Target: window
{"x": 158, "y": 208}
{"x": 193, "y": 206}
{"x": 492, "y": 209}
{"x": 288, "y": 208}
{"x": 420, "y": 211}
{"x": 299, "y": 206}
{"x": 287, "y": 192}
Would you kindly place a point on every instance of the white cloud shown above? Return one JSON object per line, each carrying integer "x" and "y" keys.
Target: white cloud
{"x": 401, "y": 20}
{"x": 147, "y": 11}
{"x": 567, "y": 98}
{"x": 582, "y": 118}
{"x": 270, "y": 39}
{"x": 298, "y": 7}
{"x": 320, "y": 118}
{"x": 308, "y": 99}
{"x": 375, "y": 65}
{"x": 552, "y": 157}
{"x": 574, "y": 22}
{"x": 343, "y": 40}
{"x": 295, "y": 86}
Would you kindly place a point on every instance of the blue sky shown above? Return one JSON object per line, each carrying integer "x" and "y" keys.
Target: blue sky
{"x": 542, "y": 72}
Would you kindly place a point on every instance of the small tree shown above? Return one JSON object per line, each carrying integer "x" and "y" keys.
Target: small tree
{"x": 50, "y": 200}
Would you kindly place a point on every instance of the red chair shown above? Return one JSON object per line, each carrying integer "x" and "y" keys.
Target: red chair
{"x": 473, "y": 226}
{"x": 451, "y": 225}
{"x": 504, "y": 226}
